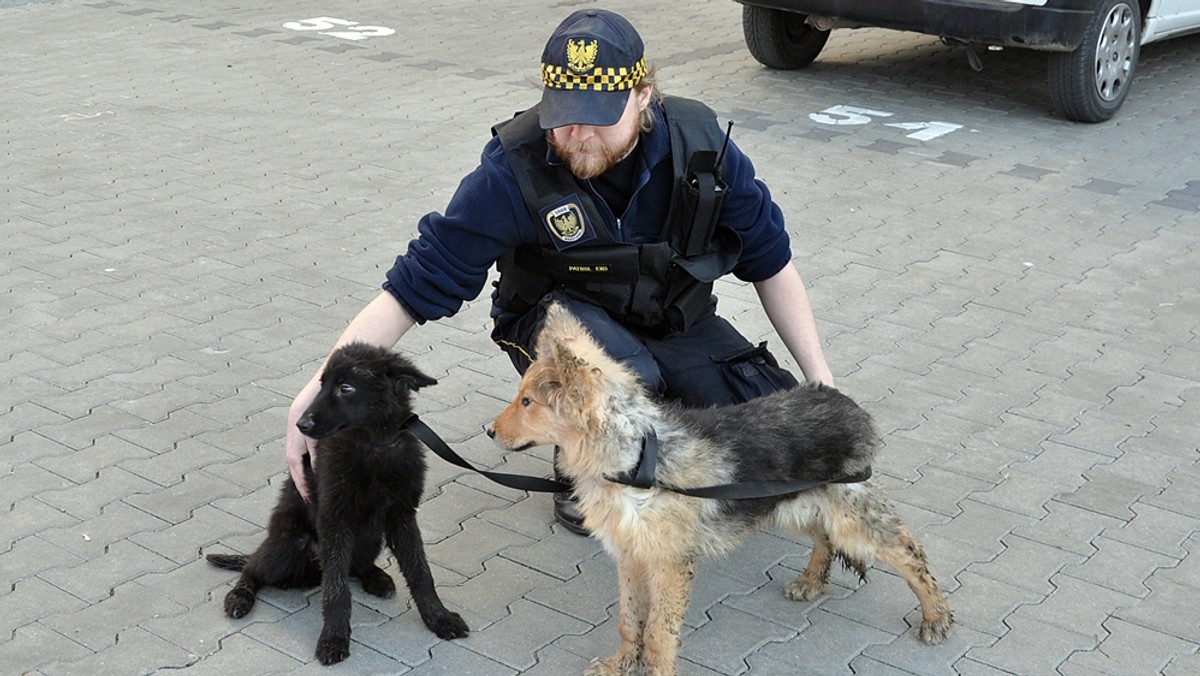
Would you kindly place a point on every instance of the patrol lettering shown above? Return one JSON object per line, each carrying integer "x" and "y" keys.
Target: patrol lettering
{"x": 589, "y": 268}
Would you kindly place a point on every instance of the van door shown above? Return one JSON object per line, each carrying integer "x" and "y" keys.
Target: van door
{"x": 1175, "y": 16}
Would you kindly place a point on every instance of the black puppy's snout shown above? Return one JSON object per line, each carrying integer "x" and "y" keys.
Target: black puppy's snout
{"x": 305, "y": 423}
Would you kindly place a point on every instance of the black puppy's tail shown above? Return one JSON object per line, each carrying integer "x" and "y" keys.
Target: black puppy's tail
{"x": 227, "y": 561}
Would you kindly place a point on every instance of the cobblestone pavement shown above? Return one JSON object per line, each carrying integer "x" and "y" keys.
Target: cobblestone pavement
{"x": 195, "y": 199}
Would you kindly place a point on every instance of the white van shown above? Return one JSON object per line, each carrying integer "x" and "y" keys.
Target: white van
{"x": 1093, "y": 45}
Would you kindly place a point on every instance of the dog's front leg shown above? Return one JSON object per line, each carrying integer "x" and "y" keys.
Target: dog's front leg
{"x": 669, "y": 585}
{"x": 404, "y": 539}
{"x": 631, "y": 578}
{"x": 335, "y": 545}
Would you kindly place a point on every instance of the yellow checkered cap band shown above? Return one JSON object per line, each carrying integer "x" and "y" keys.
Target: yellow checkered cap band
{"x": 599, "y": 79}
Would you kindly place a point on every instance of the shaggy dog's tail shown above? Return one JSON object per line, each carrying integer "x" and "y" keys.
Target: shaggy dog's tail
{"x": 228, "y": 561}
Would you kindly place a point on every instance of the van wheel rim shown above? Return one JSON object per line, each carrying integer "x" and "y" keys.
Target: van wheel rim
{"x": 1114, "y": 52}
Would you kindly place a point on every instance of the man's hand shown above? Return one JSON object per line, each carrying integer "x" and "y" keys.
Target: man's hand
{"x": 381, "y": 322}
{"x": 299, "y": 445}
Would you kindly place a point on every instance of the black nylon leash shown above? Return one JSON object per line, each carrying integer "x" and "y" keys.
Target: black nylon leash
{"x": 518, "y": 481}
{"x": 641, "y": 476}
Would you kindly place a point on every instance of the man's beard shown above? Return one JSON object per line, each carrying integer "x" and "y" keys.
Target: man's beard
{"x": 591, "y": 158}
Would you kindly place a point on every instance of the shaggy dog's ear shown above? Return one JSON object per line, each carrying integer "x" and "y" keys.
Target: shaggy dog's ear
{"x": 580, "y": 387}
{"x": 566, "y": 365}
{"x": 550, "y": 389}
{"x": 558, "y": 326}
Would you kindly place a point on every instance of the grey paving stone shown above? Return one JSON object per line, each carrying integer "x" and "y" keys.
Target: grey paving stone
{"x": 450, "y": 659}
{"x": 87, "y": 430}
{"x": 92, "y": 537}
{"x": 552, "y": 660}
{"x": 1187, "y": 572}
{"x": 86, "y": 500}
{"x": 97, "y": 577}
{"x": 827, "y": 647}
{"x": 1077, "y": 605}
{"x": 1129, "y": 649}
{"x": 175, "y": 503}
{"x": 1158, "y": 531}
{"x": 588, "y": 595}
{"x": 769, "y": 603}
{"x": 32, "y": 555}
{"x": 1180, "y": 493}
{"x": 296, "y": 634}
{"x": 1069, "y": 527}
{"x": 515, "y": 639}
{"x": 938, "y": 491}
{"x": 1109, "y": 495}
{"x": 444, "y": 514}
{"x": 136, "y": 645}
{"x": 484, "y": 598}
{"x": 1026, "y": 564}
{"x": 33, "y": 644}
{"x": 1187, "y": 664}
{"x": 909, "y": 655}
{"x": 724, "y": 643}
{"x": 1032, "y": 642}
{"x": 241, "y": 654}
{"x": 1102, "y": 432}
{"x": 984, "y": 529}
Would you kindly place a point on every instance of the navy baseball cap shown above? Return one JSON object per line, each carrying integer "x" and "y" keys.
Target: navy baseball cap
{"x": 591, "y": 63}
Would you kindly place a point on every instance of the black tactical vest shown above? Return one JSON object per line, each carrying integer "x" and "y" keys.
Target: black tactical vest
{"x": 660, "y": 287}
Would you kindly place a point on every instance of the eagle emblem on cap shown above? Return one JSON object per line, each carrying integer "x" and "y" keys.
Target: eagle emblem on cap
{"x": 581, "y": 55}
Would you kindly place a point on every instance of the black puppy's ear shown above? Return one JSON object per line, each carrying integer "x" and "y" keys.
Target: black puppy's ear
{"x": 411, "y": 378}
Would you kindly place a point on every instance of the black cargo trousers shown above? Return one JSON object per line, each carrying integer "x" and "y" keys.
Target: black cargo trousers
{"x": 709, "y": 364}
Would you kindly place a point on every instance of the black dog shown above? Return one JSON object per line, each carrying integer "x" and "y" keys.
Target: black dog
{"x": 371, "y": 476}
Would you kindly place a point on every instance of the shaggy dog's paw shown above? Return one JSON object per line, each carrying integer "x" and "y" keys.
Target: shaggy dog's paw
{"x": 620, "y": 664}
{"x": 803, "y": 589}
{"x": 238, "y": 602}
{"x": 332, "y": 649}
{"x": 379, "y": 583}
{"x": 448, "y": 625}
{"x": 601, "y": 668}
{"x": 936, "y": 633}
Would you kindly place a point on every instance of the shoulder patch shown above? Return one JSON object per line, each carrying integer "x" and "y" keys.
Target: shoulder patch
{"x": 567, "y": 223}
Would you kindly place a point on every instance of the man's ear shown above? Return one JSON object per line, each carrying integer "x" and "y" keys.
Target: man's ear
{"x": 643, "y": 96}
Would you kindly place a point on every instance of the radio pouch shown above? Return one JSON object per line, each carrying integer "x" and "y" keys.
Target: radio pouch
{"x": 702, "y": 193}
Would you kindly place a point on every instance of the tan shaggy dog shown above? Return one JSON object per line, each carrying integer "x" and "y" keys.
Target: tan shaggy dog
{"x": 576, "y": 397}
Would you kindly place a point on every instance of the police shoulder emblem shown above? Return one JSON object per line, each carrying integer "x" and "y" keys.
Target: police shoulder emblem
{"x": 567, "y": 223}
{"x": 581, "y": 55}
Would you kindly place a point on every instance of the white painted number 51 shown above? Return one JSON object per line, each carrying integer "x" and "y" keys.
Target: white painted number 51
{"x": 352, "y": 29}
{"x": 850, "y": 115}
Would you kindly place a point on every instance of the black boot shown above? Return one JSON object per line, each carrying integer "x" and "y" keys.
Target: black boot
{"x": 566, "y": 507}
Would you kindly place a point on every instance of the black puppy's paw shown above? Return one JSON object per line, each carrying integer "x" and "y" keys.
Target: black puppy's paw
{"x": 238, "y": 602}
{"x": 332, "y": 649}
{"x": 448, "y": 625}
{"x": 379, "y": 583}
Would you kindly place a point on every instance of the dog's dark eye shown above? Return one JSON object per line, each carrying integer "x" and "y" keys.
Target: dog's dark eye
{"x": 345, "y": 388}
{"x": 525, "y": 401}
